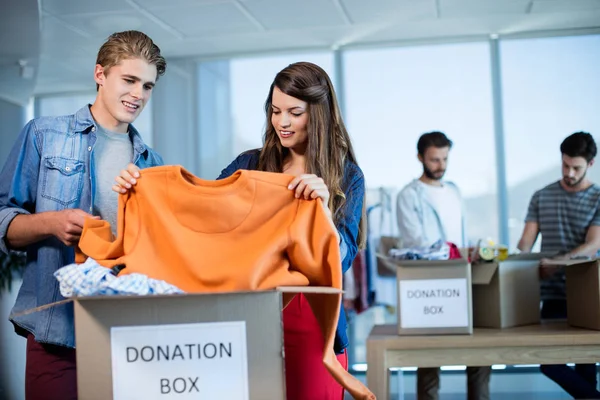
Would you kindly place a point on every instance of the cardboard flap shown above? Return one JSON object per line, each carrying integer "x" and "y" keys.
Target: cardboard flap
{"x": 281, "y": 289}
{"x": 529, "y": 256}
{"x": 96, "y": 298}
{"x": 428, "y": 263}
{"x": 385, "y": 266}
{"x": 482, "y": 273}
{"x": 386, "y": 243}
{"x": 308, "y": 289}
{"x": 40, "y": 308}
{"x": 566, "y": 263}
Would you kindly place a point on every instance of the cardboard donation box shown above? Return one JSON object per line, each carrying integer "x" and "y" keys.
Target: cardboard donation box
{"x": 434, "y": 297}
{"x": 583, "y": 294}
{"x": 506, "y": 293}
{"x": 208, "y": 346}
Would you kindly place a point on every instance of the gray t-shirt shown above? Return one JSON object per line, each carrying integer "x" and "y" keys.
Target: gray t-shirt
{"x": 563, "y": 218}
{"x": 112, "y": 152}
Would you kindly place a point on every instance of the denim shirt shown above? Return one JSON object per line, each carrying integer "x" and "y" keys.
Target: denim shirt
{"x": 50, "y": 168}
{"x": 353, "y": 185}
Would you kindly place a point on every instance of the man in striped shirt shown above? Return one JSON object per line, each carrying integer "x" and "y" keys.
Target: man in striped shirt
{"x": 567, "y": 215}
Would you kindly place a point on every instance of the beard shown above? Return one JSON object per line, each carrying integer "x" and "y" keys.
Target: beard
{"x": 436, "y": 175}
{"x": 572, "y": 182}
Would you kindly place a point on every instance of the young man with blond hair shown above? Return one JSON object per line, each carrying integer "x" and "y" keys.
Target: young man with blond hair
{"x": 59, "y": 172}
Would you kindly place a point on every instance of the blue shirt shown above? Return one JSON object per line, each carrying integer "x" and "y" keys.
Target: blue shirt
{"x": 51, "y": 168}
{"x": 353, "y": 185}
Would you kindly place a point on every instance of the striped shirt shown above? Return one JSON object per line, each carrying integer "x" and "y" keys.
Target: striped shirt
{"x": 563, "y": 218}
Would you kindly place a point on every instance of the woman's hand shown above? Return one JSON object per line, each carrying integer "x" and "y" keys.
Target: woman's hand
{"x": 310, "y": 186}
{"x": 127, "y": 179}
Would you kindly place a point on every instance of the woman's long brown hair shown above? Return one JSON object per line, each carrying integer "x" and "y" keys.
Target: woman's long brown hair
{"x": 329, "y": 144}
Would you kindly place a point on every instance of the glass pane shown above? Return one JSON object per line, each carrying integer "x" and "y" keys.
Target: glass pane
{"x": 551, "y": 88}
{"x": 49, "y": 106}
{"x": 395, "y": 95}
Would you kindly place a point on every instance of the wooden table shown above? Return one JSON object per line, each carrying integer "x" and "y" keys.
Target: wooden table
{"x": 548, "y": 343}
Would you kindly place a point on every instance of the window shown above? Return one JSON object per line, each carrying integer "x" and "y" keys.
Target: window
{"x": 551, "y": 88}
{"x": 50, "y": 106}
{"x": 395, "y": 95}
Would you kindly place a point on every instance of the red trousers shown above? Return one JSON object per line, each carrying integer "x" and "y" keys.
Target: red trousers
{"x": 50, "y": 372}
{"x": 306, "y": 377}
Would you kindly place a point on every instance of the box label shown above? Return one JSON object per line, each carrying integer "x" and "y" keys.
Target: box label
{"x": 182, "y": 361}
{"x": 434, "y": 303}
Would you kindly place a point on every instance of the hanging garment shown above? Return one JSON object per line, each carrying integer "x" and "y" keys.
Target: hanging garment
{"x": 245, "y": 232}
{"x": 440, "y": 250}
{"x": 359, "y": 301}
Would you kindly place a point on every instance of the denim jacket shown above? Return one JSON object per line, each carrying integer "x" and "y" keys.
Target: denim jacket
{"x": 51, "y": 168}
{"x": 353, "y": 185}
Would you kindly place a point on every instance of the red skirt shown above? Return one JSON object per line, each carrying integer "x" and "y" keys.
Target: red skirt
{"x": 306, "y": 377}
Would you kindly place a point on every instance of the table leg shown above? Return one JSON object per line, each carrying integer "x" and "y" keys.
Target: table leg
{"x": 378, "y": 374}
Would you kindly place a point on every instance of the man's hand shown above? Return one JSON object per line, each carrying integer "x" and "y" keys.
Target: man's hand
{"x": 67, "y": 225}
{"x": 127, "y": 179}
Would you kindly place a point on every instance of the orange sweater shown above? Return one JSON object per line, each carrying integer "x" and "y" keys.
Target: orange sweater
{"x": 245, "y": 232}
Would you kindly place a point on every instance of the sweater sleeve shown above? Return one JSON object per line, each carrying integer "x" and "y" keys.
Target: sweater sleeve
{"x": 314, "y": 251}
{"x": 97, "y": 240}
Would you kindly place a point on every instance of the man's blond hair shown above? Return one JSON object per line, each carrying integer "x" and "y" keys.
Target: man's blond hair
{"x": 127, "y": 45}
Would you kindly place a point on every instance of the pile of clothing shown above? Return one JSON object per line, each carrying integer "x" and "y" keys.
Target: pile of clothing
{"x": 440, "y": 250}
{"x": 92, "y": 279}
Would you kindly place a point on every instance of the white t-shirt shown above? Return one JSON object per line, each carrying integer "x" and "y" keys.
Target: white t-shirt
{"x": 447, "y": 203}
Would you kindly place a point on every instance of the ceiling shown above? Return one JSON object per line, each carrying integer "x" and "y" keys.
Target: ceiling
{"x": 73, "y": 30}
{"x": 19, "y": 49}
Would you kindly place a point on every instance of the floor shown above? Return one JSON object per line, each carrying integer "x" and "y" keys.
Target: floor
{"x": 508, "y": 384}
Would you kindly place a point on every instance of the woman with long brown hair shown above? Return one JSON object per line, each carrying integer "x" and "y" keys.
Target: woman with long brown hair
{"x": 305, "y": 136}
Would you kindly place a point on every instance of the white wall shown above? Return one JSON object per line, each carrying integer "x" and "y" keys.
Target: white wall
{"x": 174, "y": 125}
{"x": 13, "y": 119}
{"x": 215, "y": 150}
{"x": 12, "y": 347}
